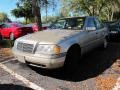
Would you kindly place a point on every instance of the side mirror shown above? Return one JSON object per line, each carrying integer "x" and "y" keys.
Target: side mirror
{"x": 90, "y": 28}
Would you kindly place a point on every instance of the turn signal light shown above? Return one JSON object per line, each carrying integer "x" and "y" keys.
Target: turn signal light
{"x": 57, "y": 49}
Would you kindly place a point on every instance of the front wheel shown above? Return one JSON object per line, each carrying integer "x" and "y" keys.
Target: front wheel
{"x": 72, "y": 59}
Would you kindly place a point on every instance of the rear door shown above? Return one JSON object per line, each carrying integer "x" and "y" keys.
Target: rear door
{"x": 101, "y": 31}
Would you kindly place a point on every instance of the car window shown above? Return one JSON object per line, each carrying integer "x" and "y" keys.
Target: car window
{"x": 98, "y": 24}
{"x": 60, "y": 24}
{"x": 75, "y": 24}
{"x": 68, "y": 23}
{"x": 19, "y": 25}
{"x": 90, "y": 22}
{"x": 29, "y": 25}
{"x": 80, "y": 23}
{"x": 13, "y": 24}
{"x": 5, "y": 25}
{"x": 9, "y": 25}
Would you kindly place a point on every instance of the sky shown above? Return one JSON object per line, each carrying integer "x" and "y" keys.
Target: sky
{"x": 7, "y": 5}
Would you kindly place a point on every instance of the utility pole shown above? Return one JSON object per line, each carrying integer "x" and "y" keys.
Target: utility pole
{"x": 36, "y": 7}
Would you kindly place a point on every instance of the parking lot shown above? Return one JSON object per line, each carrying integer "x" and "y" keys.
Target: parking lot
{"x": 98, "y": 70}
{"x": 60, "y": 45}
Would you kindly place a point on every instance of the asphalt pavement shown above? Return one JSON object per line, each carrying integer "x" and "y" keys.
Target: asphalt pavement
{"x": 98, "y": 70}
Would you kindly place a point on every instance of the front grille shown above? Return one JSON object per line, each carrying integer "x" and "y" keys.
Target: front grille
{"x": 25, "y": 47}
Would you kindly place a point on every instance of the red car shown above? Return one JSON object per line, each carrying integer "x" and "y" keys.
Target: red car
{"x": 0, "y": 33}
{"x": 35, "y": 27}
{"x": 14, "y": 30}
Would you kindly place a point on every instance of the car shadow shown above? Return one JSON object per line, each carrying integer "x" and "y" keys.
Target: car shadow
{"x": 91, "y": 65}
{"x": 13, "y": 87}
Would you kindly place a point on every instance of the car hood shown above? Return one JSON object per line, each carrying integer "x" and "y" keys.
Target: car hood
{"x": 52, "y": 36}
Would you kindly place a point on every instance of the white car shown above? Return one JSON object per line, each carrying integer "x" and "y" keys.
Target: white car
{"x": 61, "y": 45}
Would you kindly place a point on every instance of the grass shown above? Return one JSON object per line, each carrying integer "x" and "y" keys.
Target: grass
{"x": 6, "y": 44}
{"x": 5, "y": 47}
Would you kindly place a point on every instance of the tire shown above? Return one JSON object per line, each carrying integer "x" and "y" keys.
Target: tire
{"x": 72, "y": 59}
{"x": 12, "y": 37}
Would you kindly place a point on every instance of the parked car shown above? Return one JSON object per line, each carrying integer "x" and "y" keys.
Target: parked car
{"x": 114, "y": 31}
{"x": 108, "y": 23}
{"x": 0, "y": 33}
{"x": 35, "y": 27}
{"x": 14, "y": 30}
{"x": 63, "y": 44}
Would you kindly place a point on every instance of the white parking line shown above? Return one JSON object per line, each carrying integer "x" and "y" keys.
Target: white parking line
{"x": 7, "y": 61}
{"x": 21, "y": 78}
{"x": 117, "y": 86}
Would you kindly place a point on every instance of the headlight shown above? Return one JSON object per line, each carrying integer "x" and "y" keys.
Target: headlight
{"x": 48, "y": 49}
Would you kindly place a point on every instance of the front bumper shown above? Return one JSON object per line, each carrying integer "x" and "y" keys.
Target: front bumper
{"x": 39, "y": 61}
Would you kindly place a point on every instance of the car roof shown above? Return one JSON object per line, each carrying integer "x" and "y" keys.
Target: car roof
{"x": 77, "y": 17}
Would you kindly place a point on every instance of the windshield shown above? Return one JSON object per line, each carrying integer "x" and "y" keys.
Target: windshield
{"x": 68, "y": 23}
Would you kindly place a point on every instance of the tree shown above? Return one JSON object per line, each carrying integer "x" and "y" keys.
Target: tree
{"x": 37, "y": 5}
{"x": 64, "y": 11}
{"x": 35, "y": 9}
{"x": 89, "y": 7}
{"x": 37, "y": 13}
{"x": 111, "y": 8}
{"x": 30, "y": 9}
{"x": 24, "y": 9}
{"x": 97, "y": 8}
{"x": 50, "y": 19}
{"x": 4, "y": 17}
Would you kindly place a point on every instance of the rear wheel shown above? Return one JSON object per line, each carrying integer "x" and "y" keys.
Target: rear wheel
{"x": 12, "y": 36}
{"x": 72, "y": 58}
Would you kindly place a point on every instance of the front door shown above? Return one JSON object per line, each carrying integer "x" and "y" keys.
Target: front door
{"x": 90, "y": 36}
